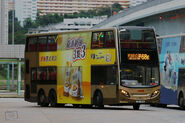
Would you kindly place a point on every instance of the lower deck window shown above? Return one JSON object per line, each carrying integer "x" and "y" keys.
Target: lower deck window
{"x": 103, "y": 75}
{"x": 44, "y": 75}
{"x": 181, "y": 77}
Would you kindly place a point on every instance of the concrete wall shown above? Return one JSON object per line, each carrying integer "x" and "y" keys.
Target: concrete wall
{"x": 148, "y": 14}
{"x": 168, "y": 23}
{"x": 3, "y": 22}
{"x": 12, "y": 51}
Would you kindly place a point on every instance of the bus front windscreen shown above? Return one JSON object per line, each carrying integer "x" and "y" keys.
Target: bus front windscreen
{"x": 139, "y": 76}
{"x": 139, "y": 63}
{"x": 137, "y": 38}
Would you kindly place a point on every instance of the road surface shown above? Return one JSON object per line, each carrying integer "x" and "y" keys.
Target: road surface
{"x": 16, "y": 110}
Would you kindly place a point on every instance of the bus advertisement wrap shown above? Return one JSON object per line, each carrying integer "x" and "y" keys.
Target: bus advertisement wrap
{"x": 74, "y": 71}
{"x": 170, "y": 61}
{"x": 73, "y": 83}
{"x": 47, "y": 59}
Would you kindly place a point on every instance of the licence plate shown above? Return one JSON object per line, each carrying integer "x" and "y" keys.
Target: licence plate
{"x": 140, "y": 101}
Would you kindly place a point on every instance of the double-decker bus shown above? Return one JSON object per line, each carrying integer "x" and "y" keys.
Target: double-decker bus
{"x": 112, "y": 66}
{"x": 172, "y": 67}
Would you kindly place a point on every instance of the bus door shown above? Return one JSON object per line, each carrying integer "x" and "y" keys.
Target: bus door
{"x": 103, "y": 78}
{"x": 103, "y": 69}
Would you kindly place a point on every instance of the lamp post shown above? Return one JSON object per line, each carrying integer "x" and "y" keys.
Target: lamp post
{"x": 13, "y": 12}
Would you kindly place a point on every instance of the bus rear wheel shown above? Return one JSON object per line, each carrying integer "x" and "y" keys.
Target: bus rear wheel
{"x": 52, "y": 98}
{"x": 98, "y": 100}
{"x": 76, "y": 105}
{"x": 136, "y": 106}
{"x": 42, "y": 101}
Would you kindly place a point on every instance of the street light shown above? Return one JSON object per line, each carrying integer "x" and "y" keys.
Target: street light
{"x": 13, "y": 12}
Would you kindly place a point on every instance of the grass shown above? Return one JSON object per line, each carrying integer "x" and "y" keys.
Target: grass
{"x": 3, "y": 84}
{"x": 2, "y": 77}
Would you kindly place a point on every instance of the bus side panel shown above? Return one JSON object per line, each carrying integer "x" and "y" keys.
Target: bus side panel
{"x": 73, "y": 72}
{"x": 169, "y": 65}
{"x": 30, "y": 85}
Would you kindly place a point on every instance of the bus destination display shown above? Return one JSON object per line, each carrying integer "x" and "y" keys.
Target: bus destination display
{"x": 138, "y": 56}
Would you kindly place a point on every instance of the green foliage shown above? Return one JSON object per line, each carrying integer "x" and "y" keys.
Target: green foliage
{"x": 105, "y": 10}
{"x": 48, "y": 19}
{"x": 19, "y": 32}
{"x": 3, "y": 71}
{"x": 54, "y": 18}
{"x": 43, "y": 20}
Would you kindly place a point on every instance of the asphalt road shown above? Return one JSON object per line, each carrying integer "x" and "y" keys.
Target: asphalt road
{"x": 16, "y": 110}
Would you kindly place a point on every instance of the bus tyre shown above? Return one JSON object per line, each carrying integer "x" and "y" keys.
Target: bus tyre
{"x": 181, "y": 101}
{"x": 136, "y": 106}
{"x": 163, "y": 105}
{"x": 76, "y": 105}
{"x": 52, "y": 98}
{"x": 42, "y": 101}
{"x": 86, "y": 106}
{"x": 98, "y": 100}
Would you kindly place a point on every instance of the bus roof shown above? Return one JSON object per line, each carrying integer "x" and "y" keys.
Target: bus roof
{"x": 88, "y": 30}
{"x": 135, "y": 27}
{"x": 170, "y": 36}
{"x": 68, "y": 31}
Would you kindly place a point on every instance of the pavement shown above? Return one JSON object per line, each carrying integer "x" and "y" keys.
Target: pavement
{"x": 11, "y": 94}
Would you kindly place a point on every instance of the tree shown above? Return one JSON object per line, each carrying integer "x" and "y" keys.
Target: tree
{"x": 116, "y": 7}
{"x": 105, "y": 10}
{"x": 48, "y": 19}
{"x": 52, "y": 19}
{"x": 28, "y": 23}
{"x": 19, "y": 32}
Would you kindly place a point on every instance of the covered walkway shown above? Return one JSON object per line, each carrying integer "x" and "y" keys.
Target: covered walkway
{"x": 12, "y": 55}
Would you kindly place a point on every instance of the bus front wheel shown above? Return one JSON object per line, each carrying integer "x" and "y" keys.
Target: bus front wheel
{"x": 42, "y": 101}
{"x": 136, "y": 106}
{"x": 98, "y": 100}
{"x": 181, "y": 101}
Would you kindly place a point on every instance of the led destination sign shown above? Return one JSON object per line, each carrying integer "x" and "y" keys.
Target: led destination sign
{"x": 138, "y": 56}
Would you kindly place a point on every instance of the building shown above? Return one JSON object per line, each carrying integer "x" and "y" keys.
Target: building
{"x": 136, "y": 2}
{"x": 25, "y": 9}
{"x": 71, "y": 6}
{"x": 70, "y": 24}
{"x": 167, "y": 17}
{"x": 3, "y": 22}
{"x": 11, "y": 5}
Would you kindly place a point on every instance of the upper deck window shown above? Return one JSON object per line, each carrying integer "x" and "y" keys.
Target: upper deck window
{"x": 109, "y": 39}
{"x": 42, "y": 43}
{"x": 104, "y": 39}
{"x": 137, "y": 39}
{"x": 182, "y": 46}
{"x": 31, "y": 44}
{"x": 52, "y": 44}
{"x": 98, "y": 40}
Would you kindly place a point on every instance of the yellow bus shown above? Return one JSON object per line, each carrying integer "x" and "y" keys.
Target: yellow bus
{"x": 111, "y": 66}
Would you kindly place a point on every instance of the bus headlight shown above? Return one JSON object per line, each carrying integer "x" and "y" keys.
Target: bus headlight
{"x": 155, "y": 93}
{"x": 125, "y": 93}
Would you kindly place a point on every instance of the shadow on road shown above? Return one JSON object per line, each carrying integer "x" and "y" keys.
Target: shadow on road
{"x": 171, "y": 107}
{"x": 118, "y": 108}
